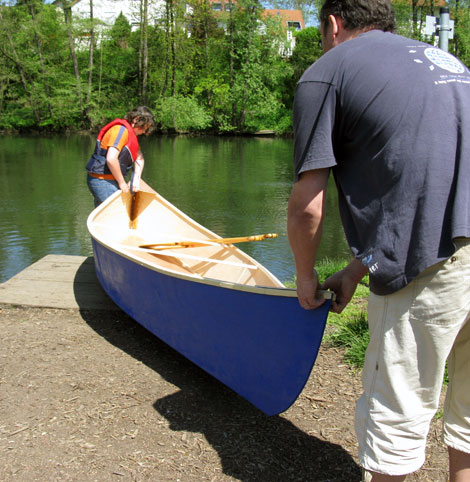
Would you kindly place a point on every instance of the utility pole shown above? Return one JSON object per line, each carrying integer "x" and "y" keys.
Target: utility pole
{"x": 443, "y": 27}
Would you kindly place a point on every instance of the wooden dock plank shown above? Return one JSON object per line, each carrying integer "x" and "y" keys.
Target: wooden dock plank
{"x": 57, "y": 281}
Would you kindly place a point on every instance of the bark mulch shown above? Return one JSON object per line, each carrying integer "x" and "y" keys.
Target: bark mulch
{"x": 93, "y": 396}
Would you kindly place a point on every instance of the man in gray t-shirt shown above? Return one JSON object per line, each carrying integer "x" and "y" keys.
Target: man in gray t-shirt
{"x": 390, "y": 117}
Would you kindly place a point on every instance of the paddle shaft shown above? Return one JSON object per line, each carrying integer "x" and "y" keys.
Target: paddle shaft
{"x": 208, "y": 242}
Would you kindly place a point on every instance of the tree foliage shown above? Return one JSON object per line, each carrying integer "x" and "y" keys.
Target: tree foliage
{"x": 200, "y": 70}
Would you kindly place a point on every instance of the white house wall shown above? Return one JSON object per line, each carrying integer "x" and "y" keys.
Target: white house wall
{"x": 108, "y": 10}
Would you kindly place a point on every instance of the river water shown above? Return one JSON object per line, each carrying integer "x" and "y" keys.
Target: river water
{"x": 234, "y": 186}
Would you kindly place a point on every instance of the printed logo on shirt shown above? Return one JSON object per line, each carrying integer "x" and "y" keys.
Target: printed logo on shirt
{"x": 369, "y": 263}
{"x": 444, "y": 60}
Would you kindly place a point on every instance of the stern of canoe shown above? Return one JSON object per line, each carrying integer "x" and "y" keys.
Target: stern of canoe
{"x": 260, "y": 344}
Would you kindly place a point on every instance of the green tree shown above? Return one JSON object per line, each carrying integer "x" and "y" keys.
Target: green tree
{"x": 307, "y": 50}
{"x": 34, "y": 66}
{"x": 201, "y": 70}
{"x": 118, "y": 71}
{"x": 257, "y": 70}
{"x": 460, "y": 11}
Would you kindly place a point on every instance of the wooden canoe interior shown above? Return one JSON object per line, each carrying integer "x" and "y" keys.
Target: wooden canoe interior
{"x": 158, "y": 221}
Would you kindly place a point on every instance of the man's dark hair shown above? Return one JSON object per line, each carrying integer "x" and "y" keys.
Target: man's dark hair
{"x": 360, "y": 14}
{"x": 143, "y": 117}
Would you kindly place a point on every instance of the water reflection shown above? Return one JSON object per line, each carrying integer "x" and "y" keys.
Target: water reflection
{"x": 233, "y": 186}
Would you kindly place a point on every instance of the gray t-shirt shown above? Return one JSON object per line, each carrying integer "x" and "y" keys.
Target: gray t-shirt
{"x": 391, "y": 117}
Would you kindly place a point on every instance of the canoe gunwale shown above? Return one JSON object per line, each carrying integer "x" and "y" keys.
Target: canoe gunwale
{"x": 257, "y": 289}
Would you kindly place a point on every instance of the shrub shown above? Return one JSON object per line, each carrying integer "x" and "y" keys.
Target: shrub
{"x": 181, "y": 114}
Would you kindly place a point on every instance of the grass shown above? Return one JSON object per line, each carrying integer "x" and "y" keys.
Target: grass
{"x": 350, "y": 328}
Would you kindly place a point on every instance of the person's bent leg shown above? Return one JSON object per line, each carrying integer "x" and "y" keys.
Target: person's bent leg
{"x": 101, "y": 189}
{"x": 457, "y": 405}
{"x": 456, "y": 433}
{"x": 459, "y": 466}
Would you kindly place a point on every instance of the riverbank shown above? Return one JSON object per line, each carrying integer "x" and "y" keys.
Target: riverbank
{"x": 91, "y": 395}
{"x": 38, "y": 132}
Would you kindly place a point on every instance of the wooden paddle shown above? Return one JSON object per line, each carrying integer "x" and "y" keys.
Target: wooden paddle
{"x": 208, "y": 242}
{"x": 133, "y": 212}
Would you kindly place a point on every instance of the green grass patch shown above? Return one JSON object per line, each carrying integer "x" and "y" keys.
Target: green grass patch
{"x": 351, "y": 332}
{"x": 350, "y": 329}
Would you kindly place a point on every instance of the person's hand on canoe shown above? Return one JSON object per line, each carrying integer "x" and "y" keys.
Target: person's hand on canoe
{"x": 135, "y": 184}
{"x": 344, "y": 284}
{"x": 307, "y": 292}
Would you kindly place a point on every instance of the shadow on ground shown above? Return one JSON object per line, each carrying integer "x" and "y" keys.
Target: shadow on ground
{"x": 88, "y": 293}
{"x": 251, "y": 446}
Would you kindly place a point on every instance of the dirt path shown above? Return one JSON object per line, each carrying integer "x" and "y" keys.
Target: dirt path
{"x": 92, "y": 396}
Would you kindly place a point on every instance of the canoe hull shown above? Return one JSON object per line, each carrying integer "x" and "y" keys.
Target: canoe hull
{"x": 261, "y": 345}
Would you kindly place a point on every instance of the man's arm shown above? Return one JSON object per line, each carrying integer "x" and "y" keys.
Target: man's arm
{"x": 304, "y": 228}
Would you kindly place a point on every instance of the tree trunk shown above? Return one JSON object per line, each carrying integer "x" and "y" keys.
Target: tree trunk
{"x": 232, "y": 56}
{"x": 101, "y": 70}
{"x": 173, "y": 56}
{"x": 168, "y": 41}
{"x": 414, "y": 13}
{"x": 90, "y": 60}
{"x": 144, "y": 47}
{"x": 141, "y": 46}
{"x": 456, "y": 23}
{"x": 68, "y": 22}
{"x": 41, "y": 59}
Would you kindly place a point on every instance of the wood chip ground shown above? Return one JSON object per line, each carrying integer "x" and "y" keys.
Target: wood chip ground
{"x": 92, "y": 396}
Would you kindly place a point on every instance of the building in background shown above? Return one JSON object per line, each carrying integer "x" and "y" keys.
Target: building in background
{"x": 291, "y": 20}
{"x": 108, "y": 10}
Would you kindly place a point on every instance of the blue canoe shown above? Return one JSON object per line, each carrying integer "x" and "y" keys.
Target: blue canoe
{"x": 214, "y": 304}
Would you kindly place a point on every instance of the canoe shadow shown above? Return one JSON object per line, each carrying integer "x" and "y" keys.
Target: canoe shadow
{"x": 252, "y": 446}
{"x": 87, "y": 291}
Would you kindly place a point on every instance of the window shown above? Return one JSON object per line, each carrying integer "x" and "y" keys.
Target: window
{"x": 217, "y": 7}
{"x": 295, "y": 25}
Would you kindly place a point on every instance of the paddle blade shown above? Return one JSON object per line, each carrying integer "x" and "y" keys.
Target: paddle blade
{"x": 133, "y": 212}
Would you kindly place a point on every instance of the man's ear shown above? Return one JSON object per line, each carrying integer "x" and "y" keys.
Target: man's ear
{"x": 335, "y": 24}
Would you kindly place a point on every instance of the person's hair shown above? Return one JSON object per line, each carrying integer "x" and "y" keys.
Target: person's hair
{"x": 142, "y": 117}
{"x": 360, "y": 14}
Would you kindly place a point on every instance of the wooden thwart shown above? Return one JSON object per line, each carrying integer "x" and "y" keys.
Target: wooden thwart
{"x": 190, "y": 256}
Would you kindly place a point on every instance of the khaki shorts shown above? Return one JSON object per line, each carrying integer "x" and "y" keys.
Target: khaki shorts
{"x": 412, "y": 333}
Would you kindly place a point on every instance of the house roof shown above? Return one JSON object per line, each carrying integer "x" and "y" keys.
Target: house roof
{"x": 422, "y": 3}
{"x": 286, "y": 16}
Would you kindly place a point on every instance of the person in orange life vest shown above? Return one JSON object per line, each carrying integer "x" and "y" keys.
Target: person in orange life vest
{"x": 116, "y": 152}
